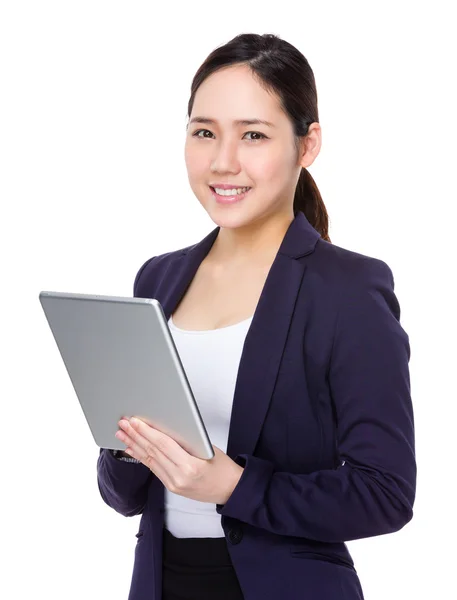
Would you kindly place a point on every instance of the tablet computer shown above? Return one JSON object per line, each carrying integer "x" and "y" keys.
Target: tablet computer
{"x": 122, "y": 361}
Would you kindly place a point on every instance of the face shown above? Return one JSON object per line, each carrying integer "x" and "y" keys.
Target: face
{"x": 258, "y": 156}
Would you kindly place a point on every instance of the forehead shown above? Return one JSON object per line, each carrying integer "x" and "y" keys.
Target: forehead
{"x": 233, "y": 94}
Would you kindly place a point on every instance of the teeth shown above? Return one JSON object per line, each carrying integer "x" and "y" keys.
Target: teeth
{"x": 232, "y": 192}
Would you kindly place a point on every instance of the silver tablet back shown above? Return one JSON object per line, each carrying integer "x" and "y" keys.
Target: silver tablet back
{"x": 122, "y": 361}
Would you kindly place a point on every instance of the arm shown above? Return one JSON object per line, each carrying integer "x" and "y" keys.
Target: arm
{"x": 122, "y": 485}
{"x": 123, "y": 481}
{"x": 373, "y": 491}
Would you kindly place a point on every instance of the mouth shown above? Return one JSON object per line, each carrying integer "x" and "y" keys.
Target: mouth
{"x": 228, "y": 197}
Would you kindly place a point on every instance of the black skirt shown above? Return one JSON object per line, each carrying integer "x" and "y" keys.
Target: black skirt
{"x": 198, "y": 569}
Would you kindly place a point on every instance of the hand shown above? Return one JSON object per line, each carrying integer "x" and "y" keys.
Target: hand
{"x": 181, "y": 473}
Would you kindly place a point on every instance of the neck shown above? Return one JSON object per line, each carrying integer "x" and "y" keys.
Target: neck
{"x": 253, "y": 243}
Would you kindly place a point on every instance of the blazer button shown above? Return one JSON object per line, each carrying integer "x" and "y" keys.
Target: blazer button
{"x": 235, "y": 536}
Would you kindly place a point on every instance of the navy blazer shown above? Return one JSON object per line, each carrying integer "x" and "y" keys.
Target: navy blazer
{"x": 322, "y": 422}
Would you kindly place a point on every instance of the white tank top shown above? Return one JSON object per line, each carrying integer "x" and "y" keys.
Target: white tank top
{"x": 211, "y": 359}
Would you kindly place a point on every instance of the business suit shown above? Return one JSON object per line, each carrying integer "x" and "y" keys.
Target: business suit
{"x": 322, "y": 423}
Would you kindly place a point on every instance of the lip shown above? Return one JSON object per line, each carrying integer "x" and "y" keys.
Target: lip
{"x": 227, "y": 186}
{"x": 229, "y": 199}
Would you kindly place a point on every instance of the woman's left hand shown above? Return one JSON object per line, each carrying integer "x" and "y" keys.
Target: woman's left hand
{"x": 181, "y": 473}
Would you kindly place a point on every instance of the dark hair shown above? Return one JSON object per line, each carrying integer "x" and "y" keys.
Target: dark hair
{"x": 279, "y": 67}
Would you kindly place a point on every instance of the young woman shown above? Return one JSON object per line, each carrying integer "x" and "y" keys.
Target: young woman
{"x": 294, "y": 351}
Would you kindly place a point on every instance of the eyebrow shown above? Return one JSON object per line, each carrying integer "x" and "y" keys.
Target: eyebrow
{"x": 236, "y": 122}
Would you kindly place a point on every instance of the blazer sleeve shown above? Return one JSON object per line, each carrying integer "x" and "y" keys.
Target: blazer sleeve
{"x": 372, "y": 491}
{"x": 124, "y": 485}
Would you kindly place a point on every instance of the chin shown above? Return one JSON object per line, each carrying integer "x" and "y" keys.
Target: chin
{"x": 231, "y": 221}
{"x": 228, "y": 216}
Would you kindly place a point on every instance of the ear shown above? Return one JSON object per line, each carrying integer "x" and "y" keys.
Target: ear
{"x": 310, "y": 145}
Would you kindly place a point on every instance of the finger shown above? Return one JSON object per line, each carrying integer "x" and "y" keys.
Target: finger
{"x": 149, "y": 460}
{"x": 161, "y": 442}
{"x": 146, "y": 448}
{"x": 136, "y": 450}
{"x": 127, "y": 430}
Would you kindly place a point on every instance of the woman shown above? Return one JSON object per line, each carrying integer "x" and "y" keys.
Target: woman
{"x": 294, "y": 351}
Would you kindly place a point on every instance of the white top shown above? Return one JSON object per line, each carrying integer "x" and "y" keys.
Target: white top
{"x": 211, "y": 359}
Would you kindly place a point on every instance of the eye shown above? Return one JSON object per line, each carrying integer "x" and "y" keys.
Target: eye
{"x": 262, "y": 136}
{"x": 199, "y": 131}
{"x": 256, "y": 133}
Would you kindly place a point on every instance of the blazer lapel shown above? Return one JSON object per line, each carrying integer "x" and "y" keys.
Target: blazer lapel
{"x": 266, "y": 337}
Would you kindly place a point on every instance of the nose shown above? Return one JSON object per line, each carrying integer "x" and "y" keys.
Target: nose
{"x": 225, "y": 158}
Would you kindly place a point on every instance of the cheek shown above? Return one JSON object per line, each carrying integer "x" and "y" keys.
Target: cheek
{"x": 195, "y": 163}
{"x": 285, "y": 163}
{"x": 272, "y": 170}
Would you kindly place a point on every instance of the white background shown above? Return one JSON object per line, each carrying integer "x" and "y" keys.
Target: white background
{"x": 93, "y": 182}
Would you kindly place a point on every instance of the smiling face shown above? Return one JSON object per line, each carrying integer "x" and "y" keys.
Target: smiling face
{"x": 261, "y": 156}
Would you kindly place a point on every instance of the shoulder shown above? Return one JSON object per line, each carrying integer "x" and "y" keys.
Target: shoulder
{"x": 334, "y": 270}
{"x": 354, "y": 282}
{"x": 346, "y": 269}
{"x": 340, "y": 278}
{"x": 154, "y": 268}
